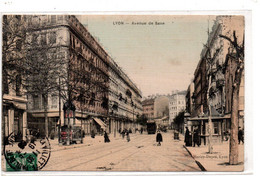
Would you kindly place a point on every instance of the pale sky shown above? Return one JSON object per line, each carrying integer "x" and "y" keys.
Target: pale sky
{"x": 157, "y": 58}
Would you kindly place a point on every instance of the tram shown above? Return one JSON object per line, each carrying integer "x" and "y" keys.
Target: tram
{"x": 151, "y": 127}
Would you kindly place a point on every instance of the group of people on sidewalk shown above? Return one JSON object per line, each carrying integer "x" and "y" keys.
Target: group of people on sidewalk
{"x": 192, "y": 139}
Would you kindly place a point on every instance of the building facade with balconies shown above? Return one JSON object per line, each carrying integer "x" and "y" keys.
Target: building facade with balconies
{"x": 124, "y": 100}
{"x": 214, "y": 55}
{"x": 148, "y": 108}
{"x": 85, "y": 75}
{"x": 190, "y": 99}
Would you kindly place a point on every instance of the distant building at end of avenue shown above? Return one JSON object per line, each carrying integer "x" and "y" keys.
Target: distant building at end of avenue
{"x": 177, "y": 104}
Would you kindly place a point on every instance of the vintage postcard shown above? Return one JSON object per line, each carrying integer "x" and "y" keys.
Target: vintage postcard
{"x": 123, "y": 92}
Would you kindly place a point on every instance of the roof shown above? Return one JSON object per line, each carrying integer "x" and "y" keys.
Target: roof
{"x": 148, "y": 102}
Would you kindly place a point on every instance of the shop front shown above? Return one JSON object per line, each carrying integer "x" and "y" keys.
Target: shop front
{"x": 220, "y": 127}
{"x": 14, "y": 120}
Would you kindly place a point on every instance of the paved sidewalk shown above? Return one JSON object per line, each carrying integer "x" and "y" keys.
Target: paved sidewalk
{"x": 218, "y": 160}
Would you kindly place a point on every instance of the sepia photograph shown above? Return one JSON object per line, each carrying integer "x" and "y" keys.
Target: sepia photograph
{"x": 111, "y": 92}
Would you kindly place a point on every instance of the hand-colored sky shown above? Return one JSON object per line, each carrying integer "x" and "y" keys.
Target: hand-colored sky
{"x": 158, "y": 58}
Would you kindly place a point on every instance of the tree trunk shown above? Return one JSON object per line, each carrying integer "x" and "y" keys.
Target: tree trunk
{"x": 233, "y": 150}
{"x": 210, "y": 147}
{"x": 45, "y": 102}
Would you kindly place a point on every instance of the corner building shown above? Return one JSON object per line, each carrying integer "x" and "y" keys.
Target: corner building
{"x": 83, "y": 57}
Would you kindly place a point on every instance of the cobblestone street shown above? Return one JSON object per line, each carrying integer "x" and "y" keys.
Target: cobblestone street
{"x": 140, "y": 154}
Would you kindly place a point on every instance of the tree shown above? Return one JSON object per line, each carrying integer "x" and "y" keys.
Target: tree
{"x": 14, "y": 35}
{"x": 47, "y": 69}
{"x": 43, "y": 65}
{"x": 142, "y": 120}
{"x": 31, "y": 57}
{"x": 210, "y": 58}
{"x": 179, "y": 120}
{"x": 83, "y": 82}
{"x": 238, "y": 50}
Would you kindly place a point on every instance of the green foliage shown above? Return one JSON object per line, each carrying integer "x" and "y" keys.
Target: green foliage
{"x": 179, "y": 118}
{"x": 142, "y": 120}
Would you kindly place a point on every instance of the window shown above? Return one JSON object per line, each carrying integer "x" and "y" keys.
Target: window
{"x": 43, "y": 39}
{"x": 215, "y": 128}
{"x": 53, "y": 19}
{"x": 54, "y": 101}
{"x": 53, "y": 38}
{"x": 36, "y": 102}
{"x": 18, "y": 85}
{"x": 60, "y": 17}
{"x": 6, "y": 85}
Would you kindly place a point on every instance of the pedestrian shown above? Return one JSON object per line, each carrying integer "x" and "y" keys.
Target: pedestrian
{"x": 240, "y": 135}
{"x": 123, "y": 133}
{"x": 196, "y": 137}
{"x": 106, "y": 138}
{"x": 187, "y": 137}
{"x": 159, "y": 138}
{"x": 141, "y": 130}
{"x": 136, "y": 129}
{"x": 83, "y": 133}
{"x": 92, "y": 133}
{"x": 119, "y": 131}
{"x": 127, "y": 136}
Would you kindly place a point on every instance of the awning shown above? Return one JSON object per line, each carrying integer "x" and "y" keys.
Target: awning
{"x": 15, "y": 104}
{"x": 100, "y": 122}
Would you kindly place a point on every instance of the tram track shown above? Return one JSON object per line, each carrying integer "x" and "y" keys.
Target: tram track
{"x": 106, "y": 154}
{"x": 75, "y": 156}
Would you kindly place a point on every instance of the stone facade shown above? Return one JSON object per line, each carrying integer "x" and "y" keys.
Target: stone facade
{"x": 83, "y": 56}
{"x": 177, "y": 104}
{"x": 124, "y": 99}
{"x": 148, "y": 108}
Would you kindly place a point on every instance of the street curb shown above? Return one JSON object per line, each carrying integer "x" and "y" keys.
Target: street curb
{"x": 196, "y": 161}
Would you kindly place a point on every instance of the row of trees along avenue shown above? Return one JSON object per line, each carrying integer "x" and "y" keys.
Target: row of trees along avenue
{"x": 43, "y": 68}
